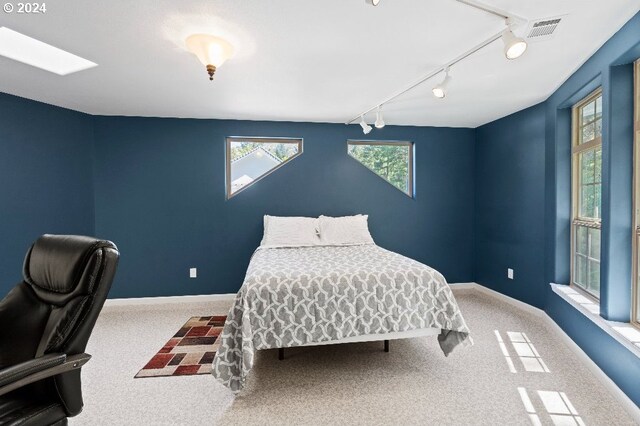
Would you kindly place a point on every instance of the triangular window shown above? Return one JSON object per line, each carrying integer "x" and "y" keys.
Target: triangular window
{"x": 251, "y": 159}
{"x": 392, "y": 161}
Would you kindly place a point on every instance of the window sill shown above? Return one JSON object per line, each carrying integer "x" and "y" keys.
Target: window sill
{"x": 624, "y": 333}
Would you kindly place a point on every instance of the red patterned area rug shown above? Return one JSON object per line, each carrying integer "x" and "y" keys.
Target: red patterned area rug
{"x": 189, "y": 352}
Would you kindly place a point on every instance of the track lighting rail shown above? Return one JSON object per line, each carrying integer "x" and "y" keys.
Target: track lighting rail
{"x": 493, "y": 10}
{"x": 506, "y": 34}
{"x": 430, "y": 75}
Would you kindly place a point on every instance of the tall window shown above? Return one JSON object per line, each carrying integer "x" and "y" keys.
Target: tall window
{"x": 251, "y": 159}
{"x": 635, "y": 317}
{"x": 587, "y": 177}
{"x": 392, "y": 161}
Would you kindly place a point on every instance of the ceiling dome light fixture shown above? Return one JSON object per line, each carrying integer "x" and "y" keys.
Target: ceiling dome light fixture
{"x": 365, "y": 127}
{"x": 440, "y": 90}
{"x": 373, "y": 2}
{"x": 514, "y": 46}
{"x": 379, "y": 119}
{"x": 212, "y": 51}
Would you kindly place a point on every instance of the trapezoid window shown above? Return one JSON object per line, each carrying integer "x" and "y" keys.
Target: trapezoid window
{"x": 392, "y": 161}
{"x": 251, "y": 159}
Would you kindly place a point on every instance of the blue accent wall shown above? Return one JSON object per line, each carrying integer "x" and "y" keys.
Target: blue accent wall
{"x": 160, "y": 194}
{"x": 621, "y": 49}
{"x": 47, "y": 179}
{"x": 510, "y": 205}
{"x": 608, "y": 68}
{"x": 617, "y": 193}
{"x": 523, "y": 203}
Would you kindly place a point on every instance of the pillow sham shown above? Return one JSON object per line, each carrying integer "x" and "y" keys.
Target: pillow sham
{"x": 290, "y": 232}
{"x": 345, "y": 230}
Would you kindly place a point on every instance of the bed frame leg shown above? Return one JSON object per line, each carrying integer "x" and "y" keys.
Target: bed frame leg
{"x": 386, "y": 346}
{"x": 281, "y": 354}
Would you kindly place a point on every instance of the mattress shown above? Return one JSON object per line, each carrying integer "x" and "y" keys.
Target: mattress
{"x": 313, "y": 295}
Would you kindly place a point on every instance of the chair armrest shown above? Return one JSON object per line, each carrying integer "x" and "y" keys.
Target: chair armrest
{"x": 31, "y": 371}
{"x": 24, "y": 369}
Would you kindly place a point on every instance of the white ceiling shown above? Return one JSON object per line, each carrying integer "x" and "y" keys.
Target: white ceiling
{"x": 305, "y": 60}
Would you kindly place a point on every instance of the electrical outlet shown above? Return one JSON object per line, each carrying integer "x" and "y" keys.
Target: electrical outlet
{"x": 193, "y": 272}
{"x": 510, "y": 273}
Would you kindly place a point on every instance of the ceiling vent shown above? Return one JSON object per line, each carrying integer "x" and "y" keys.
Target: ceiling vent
{"x": 543, "y": 29}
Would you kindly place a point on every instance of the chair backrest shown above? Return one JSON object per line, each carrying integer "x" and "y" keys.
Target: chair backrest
{"x": 66, "y": 279}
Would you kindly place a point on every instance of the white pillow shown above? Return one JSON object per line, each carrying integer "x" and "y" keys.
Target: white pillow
{"x": 290, "y": 232}
{"x": 343, "y": 231}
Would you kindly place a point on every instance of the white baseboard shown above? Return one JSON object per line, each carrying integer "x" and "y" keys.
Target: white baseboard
{"x": 169, "y": 299}
{"x": 463, "y": 286}
{"x": 510, "y": 300}
{"x": 160, "y": 300}
{"x": 632, "y": 409}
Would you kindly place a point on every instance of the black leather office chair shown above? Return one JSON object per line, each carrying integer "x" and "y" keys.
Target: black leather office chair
{"x": 45, "y": 323}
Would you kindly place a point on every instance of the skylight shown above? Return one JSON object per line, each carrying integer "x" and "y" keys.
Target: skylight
{"x": 22, "y": 48}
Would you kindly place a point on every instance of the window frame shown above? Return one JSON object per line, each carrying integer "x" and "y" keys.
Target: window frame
{"x": 256, "y": 139}
{"x": 411, "y": 190}
{"x": 576, "y": 219}
{"x": 635, "y": 281}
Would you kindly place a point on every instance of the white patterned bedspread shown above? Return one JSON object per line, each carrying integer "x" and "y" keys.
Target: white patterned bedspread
{"x": 296, "y": 296}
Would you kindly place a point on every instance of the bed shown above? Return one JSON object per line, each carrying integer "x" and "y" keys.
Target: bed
{"x": 322, "y": 294}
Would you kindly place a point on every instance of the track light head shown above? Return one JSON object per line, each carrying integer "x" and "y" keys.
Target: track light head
{"x": 514, "y": 46}
{"x": 373, "y": 2}
{"x": 366, "y": 129}
{"x": 440, "y": 90}
{"x": 379, "y": 119}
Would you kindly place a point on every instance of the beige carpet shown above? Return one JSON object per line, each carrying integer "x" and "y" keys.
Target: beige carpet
{"x": 355, "y": 383}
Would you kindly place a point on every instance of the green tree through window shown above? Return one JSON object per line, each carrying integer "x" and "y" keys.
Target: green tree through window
{"x": 282, "y": 151}
{"x": 392, "y": 161}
